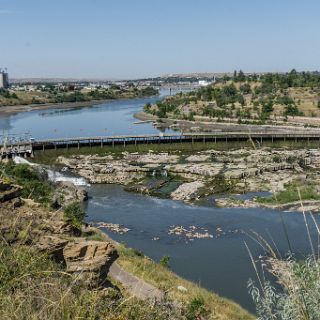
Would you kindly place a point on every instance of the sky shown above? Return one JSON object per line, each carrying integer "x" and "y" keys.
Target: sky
{"x": 127, "y": 39}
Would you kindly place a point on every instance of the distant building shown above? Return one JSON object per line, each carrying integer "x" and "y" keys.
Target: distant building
{"x": 204, "y": 83}
{"x": 4, "y": 79}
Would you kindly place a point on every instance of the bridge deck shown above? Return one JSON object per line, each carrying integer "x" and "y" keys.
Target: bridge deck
{"x": 28, "y": 146}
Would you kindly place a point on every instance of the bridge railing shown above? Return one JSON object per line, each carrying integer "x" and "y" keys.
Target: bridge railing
{"x": 167, "y": 137}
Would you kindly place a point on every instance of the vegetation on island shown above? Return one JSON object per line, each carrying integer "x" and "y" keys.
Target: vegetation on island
{"x": 246, "y": 99}
{"x": 49, "y": 93}
{"x": 294, "y": 191}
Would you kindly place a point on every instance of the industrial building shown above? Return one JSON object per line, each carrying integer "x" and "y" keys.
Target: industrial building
{"x": 4, "y": 79}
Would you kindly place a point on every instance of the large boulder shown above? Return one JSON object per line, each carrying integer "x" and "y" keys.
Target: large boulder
{"x": 8, "y": 192}
{"x": 52, "y": 245}
{"x": 90, "y": 260}
{"x": 187, "y": 191}
{"x": 66, "y": 193}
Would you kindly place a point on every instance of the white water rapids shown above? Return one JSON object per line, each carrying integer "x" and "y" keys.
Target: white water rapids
{"x": 54, "y": 176}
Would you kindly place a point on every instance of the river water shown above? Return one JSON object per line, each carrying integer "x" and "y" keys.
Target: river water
{"x": 222, "y": 263}
{"x": 110, "y": 118}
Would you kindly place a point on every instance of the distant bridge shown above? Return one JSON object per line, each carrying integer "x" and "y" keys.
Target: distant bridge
{"x": 26, "y": 148}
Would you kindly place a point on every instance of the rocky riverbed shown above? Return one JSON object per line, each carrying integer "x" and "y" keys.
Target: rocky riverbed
{"x": 192, "y": 177}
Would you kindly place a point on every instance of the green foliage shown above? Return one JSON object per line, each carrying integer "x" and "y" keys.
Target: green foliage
{"x": 6, "y": 94}
{"x": 147, "y": 107}
{"x": 292, "y": 110}
{"x": 32, "y": 186}
{"x": 94, "y": 236}
{"x": 245, "y": 88}
{"x": 191, "y": 116}
{"x": 299, "y": 294}
{"x": 75, "y": 213}
{"x": 214, "y": 113}
{"x": 165, "y": 107}
{"x": 221, "y": 184}
{"x": 291, "y": 194}
{"x": 196, "y": 309}
{"x": 267, "y": 105}
{"x": 292, "y": 79}
{"x": 277, "y": 159}
{"x": 72, "y": 94}
{"x": 165, "y": 261}
{"x": 148, "y": 92}
{"x": 131, "y": 252}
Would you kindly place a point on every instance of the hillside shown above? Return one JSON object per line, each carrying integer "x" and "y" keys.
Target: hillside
{"x": 267, "y": 98}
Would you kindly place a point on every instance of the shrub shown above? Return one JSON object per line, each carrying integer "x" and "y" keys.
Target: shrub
{"x": 75, "y": 213}
{"x": 291, "y": 194}
{"x": 27, "y": 178}
{"x": 165, "y": 260}
{"x": 298, "y": 296}
{"x": 196, "y": 309}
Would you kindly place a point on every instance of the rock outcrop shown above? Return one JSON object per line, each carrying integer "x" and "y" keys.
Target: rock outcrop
{"x": 49, "y": 231}
{"x": 8, "y": 191}
{"x": 187, "y": 191}
{"x": 66, "y": 193}
{"x": 240, "y": 170}
{"x": 89, "y": 259}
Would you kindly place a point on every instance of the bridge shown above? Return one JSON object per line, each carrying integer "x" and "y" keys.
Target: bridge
{"x": 26, "y": 148}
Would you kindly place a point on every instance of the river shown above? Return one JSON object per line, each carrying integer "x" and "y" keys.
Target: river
{"x": 222, "y": 263}
{"x": 110, "y": 118}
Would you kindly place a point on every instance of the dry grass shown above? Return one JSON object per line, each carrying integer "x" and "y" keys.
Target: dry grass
{"x": 297, "y": 294}
{"x": 163, "y": 278}
{"x": 32, "y": 286}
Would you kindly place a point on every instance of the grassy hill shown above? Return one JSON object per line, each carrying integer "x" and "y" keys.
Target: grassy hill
{"x": 264, "y": 98}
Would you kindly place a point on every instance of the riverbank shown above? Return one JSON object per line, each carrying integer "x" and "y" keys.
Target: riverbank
{"x": 9, "y": 110}
{"x": 207, "y": 124}
{"x": 175, "y": 288}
